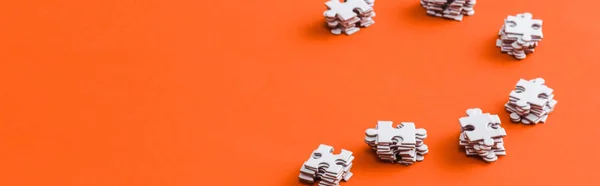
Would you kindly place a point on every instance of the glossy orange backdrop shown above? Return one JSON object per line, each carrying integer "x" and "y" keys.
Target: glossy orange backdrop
{"x": 232, "y": 93}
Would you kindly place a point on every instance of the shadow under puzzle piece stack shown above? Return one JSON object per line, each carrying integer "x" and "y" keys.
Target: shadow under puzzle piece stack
{"x": 402, "y": 144}
{"x": 327, "y": 168}
{"x": 349, "y": 16}
{"x": 450, "y": 9}
{"x": 520, "y": 35}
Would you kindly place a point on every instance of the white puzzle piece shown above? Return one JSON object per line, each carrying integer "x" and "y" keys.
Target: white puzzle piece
{"x": 324, "y": 155}
{"x": 401, "y": 144}
{"x": 531, "y": 102}
{"x": 449, "y": 9}
{"x": 327, "y": 167}
{"x": 481, "y": 125}
{"x": 531, "y": 92}
{"x": 345, "y": 10}
{"x": 385, "y": 132}
{"x": 347, "y": 17}
{"x": 525, "y": 25}
{"x": 519, "y": 35}
{"x": 481, "y": 135}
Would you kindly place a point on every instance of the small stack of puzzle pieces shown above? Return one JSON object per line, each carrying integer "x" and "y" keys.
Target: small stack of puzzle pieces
{"x": 520, "y": 35}
{"x": 402, "y": 144}
{"x": 530, "y": 102}
{"x": 349, "y": 16}
{"x": 450, "y": 9}
{"x": 327, "y": 168}
{"x": 481, "y": 135}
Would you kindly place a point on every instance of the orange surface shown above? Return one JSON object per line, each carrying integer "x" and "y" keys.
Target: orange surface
{"x": 238, "y": 93}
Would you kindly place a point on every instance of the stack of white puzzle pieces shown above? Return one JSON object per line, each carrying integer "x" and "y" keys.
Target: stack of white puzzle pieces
{"x": 450, "y": 9}
{"x": 530, "y": 102}
{"x": 401, "y": 144}
{"x": 520, "y": 35}
{"x": 327, "y": 168}
{"x": 481, "y": 135}
{"x": 349, "y": 16}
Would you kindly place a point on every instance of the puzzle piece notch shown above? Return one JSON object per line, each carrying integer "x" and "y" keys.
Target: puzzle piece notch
{"x": 479, "y": 126}
{"x": 346, "y": 10}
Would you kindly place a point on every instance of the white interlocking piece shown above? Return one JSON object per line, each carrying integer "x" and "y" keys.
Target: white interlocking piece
{"x": 532, "y": 92}
{"x": 531, "y": 101}
{"x": 347, "y": 17}
{"x": 385, "y": 132}
{"x": 525, "y": 25}
{"x": 481, "y": 135}
{"x": 401, "y": 144}
{"x": 345, "y": 10}
{"x": 449, "y": 9}
{"x": 327, "y": 167}
{"x": 520, "y": 35}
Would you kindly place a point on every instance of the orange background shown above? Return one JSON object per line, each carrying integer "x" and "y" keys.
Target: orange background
{"x": 231, "y": 93}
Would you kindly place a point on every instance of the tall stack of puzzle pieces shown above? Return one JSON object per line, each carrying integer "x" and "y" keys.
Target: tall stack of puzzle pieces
{"x": 520, "y": 35}
{"x": 450, "y": 9}
{"x": 349, "y": 16}
{"x": 481, "y": 135}
{"x": 402, "y": 144}
{"x": 327, "y": 168}
{"x": 530, "y": 102}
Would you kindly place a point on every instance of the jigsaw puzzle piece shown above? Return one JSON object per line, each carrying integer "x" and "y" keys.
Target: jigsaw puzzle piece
{"x": 478, "y": 126}
{"x": 531, "y": 92}
{"x": 524, "y": 25}
{"x": 324, "y": 156}
{"x": 401, "y": 144}
{"x": 386, "y": 133}
{"x": 346, "y": 10}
